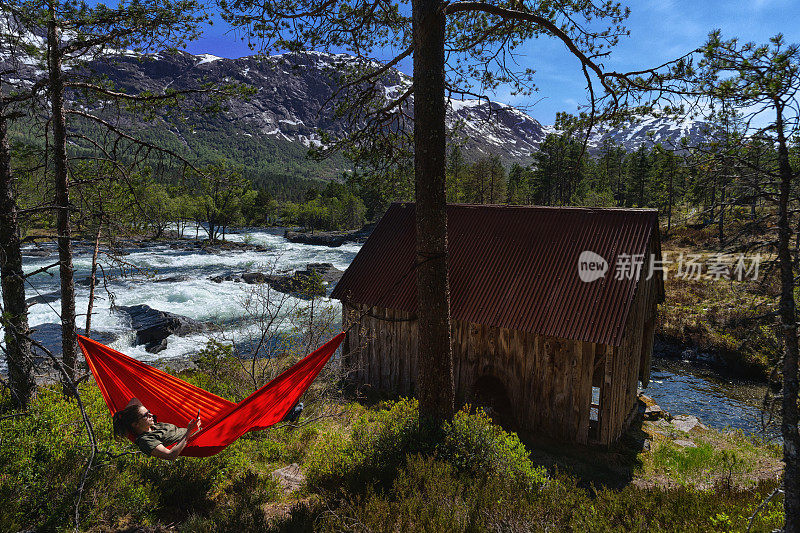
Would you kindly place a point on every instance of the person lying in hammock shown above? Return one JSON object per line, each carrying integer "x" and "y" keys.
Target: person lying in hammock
{"x": 152, "y": 437}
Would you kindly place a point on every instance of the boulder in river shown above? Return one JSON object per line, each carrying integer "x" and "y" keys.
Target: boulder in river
{"x": 173, "y": 279}
{"x": 49, "y": 335}
{"x": 245, "y": 277}
{"x": 226, "y": 277}
{"x": 329, "y": 238}
{"x": 254, "y": 277}
{"x": 320, "y": 238}
{"x": 46, "y": 298}
{"x": 313, "y": 281}
{"x": 329, "y": 273}
{"x": 153, "y": 326}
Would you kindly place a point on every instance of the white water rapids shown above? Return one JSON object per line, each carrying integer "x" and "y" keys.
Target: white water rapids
{"x": 191, "y": 293}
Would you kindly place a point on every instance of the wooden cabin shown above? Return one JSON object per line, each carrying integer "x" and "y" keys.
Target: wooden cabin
{"x": 553, "y": 311}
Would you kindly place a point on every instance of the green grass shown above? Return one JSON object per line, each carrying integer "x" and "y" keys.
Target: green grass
{"x": 368, "y": 469}
{"x": 724, "y": 459}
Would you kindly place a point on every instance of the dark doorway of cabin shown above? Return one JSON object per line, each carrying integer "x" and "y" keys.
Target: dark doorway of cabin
{"x": 489, "y": 393}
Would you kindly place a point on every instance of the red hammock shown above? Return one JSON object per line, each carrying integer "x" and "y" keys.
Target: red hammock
{"x": 122, "y": 378}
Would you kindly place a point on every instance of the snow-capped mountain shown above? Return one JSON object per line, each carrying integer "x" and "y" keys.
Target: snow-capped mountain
{"x": 292, "y": 91}
{"x": 289, "y": 106}
{"x": 647, "y": 132}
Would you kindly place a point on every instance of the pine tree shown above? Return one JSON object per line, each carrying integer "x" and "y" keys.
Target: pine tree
{"x": 478, "y": 37}
{"x": 764, "y": 81}
{"x": 76, "y": 34}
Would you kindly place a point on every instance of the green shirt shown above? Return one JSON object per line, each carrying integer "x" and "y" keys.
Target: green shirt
{"x": 160, "y": 433}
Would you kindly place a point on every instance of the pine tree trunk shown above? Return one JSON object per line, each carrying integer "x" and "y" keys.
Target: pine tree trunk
{"x": 721, "y": 226}
{"x": 15, "y": 310}
{"x": 791, "y": 438}
{"x": 68, "y": 327}
{"x": 435, "y": 363}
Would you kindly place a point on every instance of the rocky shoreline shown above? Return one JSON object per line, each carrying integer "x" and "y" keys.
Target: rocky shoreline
{"x": 328, "y": 238}
{"x": 660, "y": 422}
{"x": 725, "y": 364}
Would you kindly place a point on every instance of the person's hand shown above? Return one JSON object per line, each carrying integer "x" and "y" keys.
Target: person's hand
{"x": 195, "y": 424}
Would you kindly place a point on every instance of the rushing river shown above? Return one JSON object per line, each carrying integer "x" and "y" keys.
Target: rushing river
{"x": 173, "y": 278}
{"x": 719, "y": 402}
{"x": 177, "y": 279}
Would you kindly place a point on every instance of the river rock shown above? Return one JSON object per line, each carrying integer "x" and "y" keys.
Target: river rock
{"x": 46, "y": 298}
{"x": 653, "y": 412}
{"x": 254, "y": 277}
{"x": 320, "y": 238}
{"x": 153, "y": 326}
{"x": 34, "y": 252}
{"x": 329, "y": 273}
{"x": 226, "y": 277}
{"x": 300, "y": 282}
{"x": 87, "y": 281}
{"x": 647, "y": 400}
{"x": 49, "y": 335}
{"x": 683, "y": 443}
{"x": 329, "y": 238}
{"x": 172, "y": 279}
{"x": 686, "y": 423}
{"x": 157, "y": 346}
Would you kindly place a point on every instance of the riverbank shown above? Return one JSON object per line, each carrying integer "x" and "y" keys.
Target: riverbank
{"x": 726, "y": 324}
{"x": 178, "y": 277}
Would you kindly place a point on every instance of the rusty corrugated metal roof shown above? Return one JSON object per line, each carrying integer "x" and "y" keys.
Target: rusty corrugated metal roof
{"x": 512, "y": 267}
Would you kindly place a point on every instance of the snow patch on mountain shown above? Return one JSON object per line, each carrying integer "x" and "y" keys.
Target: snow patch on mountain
{"x": 649, "y": 131}
{"x": 206, "y": 58}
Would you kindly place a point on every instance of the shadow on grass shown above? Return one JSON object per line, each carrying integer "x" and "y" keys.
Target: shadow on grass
{"x": 592, "y": 465}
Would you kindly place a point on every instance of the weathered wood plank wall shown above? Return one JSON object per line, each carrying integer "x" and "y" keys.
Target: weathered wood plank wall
{"x": 629, "y": 362}
{"x": 548, "y": 380}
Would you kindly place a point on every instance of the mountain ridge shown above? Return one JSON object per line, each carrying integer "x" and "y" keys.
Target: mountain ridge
{"x": 289, "y": 108}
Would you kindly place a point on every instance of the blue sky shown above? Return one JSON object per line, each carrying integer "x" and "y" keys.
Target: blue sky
{"x": 660, "y": 30}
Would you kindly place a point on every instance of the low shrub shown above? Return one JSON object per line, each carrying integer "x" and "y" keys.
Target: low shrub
{"x": 285, "y": 444}
{"x": 430, "y": 495}
{"x": 427, "y": 495}
{"x": 237, "y": 507}
{"x": 473, "y": 444}
{"x": 380, "y": 443}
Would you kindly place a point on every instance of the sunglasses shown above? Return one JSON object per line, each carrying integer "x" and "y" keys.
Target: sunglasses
{"x": 148, "y": 414}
